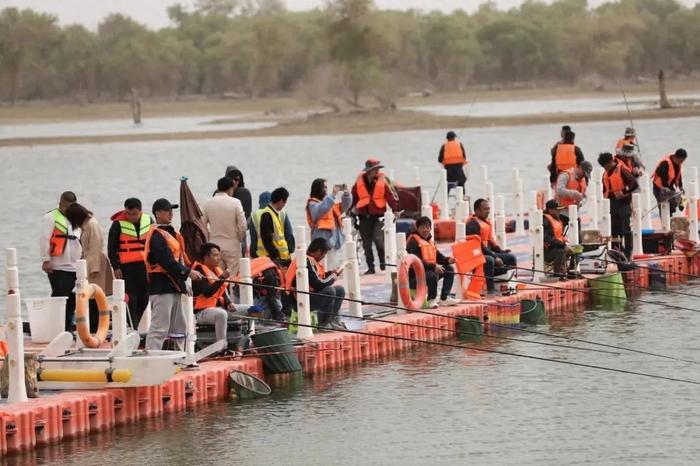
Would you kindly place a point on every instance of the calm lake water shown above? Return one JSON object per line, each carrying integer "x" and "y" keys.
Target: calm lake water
{"x": 434, "y": 406}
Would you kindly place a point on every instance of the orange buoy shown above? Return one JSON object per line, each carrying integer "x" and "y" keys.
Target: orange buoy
{"x": 412, "y": 261}
{"x": 92, "y": 291}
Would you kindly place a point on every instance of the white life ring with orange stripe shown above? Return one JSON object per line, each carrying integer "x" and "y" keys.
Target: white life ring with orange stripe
{"x": 82, "y": 307}
{"x": 408, "y": 262}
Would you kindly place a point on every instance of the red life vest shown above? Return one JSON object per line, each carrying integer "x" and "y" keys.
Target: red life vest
{"x": 614, "y": 182}
{"x": 428, "y": 251}
{"x": 215, "y": 300}
{"x": 673, "y": 177}
{"x": 557, "y": 227}
{"x": 377, "y": 196}
{"x": 574, "y": 185}
{"x": 565, "y": 157}
{"x": 328, "y": 221}
{"x": 452, "y": 154}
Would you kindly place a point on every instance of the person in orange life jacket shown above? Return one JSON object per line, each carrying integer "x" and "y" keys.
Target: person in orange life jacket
{"x": 324, "y": 213}
{"x": 60, "y": 250}
{"x": 371, "y": 193}
{"x": 126, "y": 245}
{"x": 564, "y": 129}
{"x": 328, "y": 297}
{"x": 498, "y": 260}
{"x": 436, "y": 265}
{"x": 167, "y": 267}
{"x": 630, "y": 138}
{"x": 668, "y": 179}
{"x": 565, "y": 155}
{"x": 618, "y": 186}
{"x": 453, "y": 157}
{"x": 572, "y": 184}
{"x": 556, "y": 251}
{"x": 629, "y": 157}
{"x": 211, "y": 301}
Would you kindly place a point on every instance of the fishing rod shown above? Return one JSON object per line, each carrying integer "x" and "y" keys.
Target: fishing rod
{"x": 629, "y": 115}
{"x": 501, "y": 352}
{"x": 508, "y": 327}
{"x": 656, "y": 206}
{"x": 682, "y": 274}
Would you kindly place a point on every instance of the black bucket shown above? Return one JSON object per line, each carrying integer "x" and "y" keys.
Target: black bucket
{"x": 532, "y": 312}
{"x": 470, "y": 328}
{"x": 657, "y": 277}
{"x": 283, "y": 358}
{"x": 247, "y": 387}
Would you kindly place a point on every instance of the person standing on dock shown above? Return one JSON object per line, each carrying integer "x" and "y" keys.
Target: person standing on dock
{"x": 254, "y": 223}
{"x": 618, "y": 186}
{"x": 168, "y": 268}
{"x": 454, "y": 158}
{"x": 371, "y": 194}
{"x": 224, "y": 216}
{"x": 241, "y": 193}
{"x": 564, "y": 129}
{"x": 668, "y": 179}
{"x": 565, "y": 155}
{"x": 324, "y": 214}
{"x": 269, "y": 225}
{"x": 629, "y": 157}
{"x": 60, "y": 250}
{"x": 497, "y": 260}
{"x": 572, "y": 184}
{"x": 437, "y": 266}
{"x": 630, "y": 138}
{"x": 126, "y": 246}
{"x": 556, "y": 251}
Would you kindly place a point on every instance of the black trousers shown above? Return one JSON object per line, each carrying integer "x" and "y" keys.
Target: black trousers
{"x": 136, "y": 284}
{"x": 371, "y": 233}
{"x": 620, "y": 216}
{"x": 327, "y": 302}
{"x": 62, "y": 284}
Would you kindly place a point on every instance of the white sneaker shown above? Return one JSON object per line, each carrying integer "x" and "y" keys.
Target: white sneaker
{"x": 432, "y": 304}
{"x": 449, "y": 301}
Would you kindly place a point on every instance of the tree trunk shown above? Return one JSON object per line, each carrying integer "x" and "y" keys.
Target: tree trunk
{"x": 135, "y": 106}
{"x": 663, "y": 98}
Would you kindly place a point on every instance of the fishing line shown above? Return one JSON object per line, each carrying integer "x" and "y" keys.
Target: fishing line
{"x": 629, "y": 115}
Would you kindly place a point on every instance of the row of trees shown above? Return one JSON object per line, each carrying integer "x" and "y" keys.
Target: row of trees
{"x": 347, "y": 48}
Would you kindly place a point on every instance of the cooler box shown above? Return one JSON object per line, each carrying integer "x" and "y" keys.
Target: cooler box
{"x": 445, "y": 230}
{"x": 657, "y": 243}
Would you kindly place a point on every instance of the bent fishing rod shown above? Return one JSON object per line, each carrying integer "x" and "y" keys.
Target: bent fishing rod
{"x": 508, "y": 327}
{"x": 629, "y": 115}
{"x": 501, "y": 352}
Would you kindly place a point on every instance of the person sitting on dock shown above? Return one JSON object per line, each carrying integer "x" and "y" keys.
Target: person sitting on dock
{"x": 629, "y": 157}
{"x": 618, "y": 186}
{"x": 453, "y": 157}
{"x": 572, "y": 184}
{"x": 166, "y": 265}
{"x": 436, "y": 265}
{"x": 326, "y": 297}
{"x": 565, "y": 155}
{"x": 556, "y": 249}
{"x": 498, "y": 260}
{"x": 668, "y": 179}
{"x": 212, "y": 303}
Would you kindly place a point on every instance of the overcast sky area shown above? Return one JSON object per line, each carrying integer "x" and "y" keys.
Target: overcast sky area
{"x": 153, "y": 12}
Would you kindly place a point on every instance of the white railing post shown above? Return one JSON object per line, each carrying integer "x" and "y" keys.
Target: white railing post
{"x": 119, "y": 326}
{"x": 427, "y": 211}
{"x": 548, "y": 190}
{"x": 460, "y": 231}
{"x": 572, "y": 233}
{"x": 81, "y": 283}
{"x": 500, "y": 223}
{"x": 191, "y": 326}
{"x": 304, "y": 329}
{"x": 598, "y": 187}
{"x": 592, "y": 194}
{"x": 17, "y": 389}
{"x": 416, "y": 179}
{"x": 665, "y": 212}
{"x": 488, "y": 187}
{"x": 400, "y": 256}
{"x": 389, "y": 243}
{"x": 246, "y": 291}
{"x": 461, "y": 207}
{"x": 300, "y": 235}
{"x": 442, "y": 196}
{"x": 694, "y": 176}
{"x": 636, "y": 224}
{"x": 518, "y": 203}
{"x": 693, "y": 213}
{"x": 646, "y": 205}
{"x": 537, "y": 243}
{"x": 352, "y": 275}
{"x": 605, "y": 222}
{"x": 532, "y": 208}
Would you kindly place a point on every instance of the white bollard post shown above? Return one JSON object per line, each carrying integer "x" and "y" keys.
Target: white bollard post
{"x": 246, "y": 291}
{"x": 636, "y": 224}
{"x": 532, "y": 208}
{"x": 347, "y": 228}
{"x": 17, "y": 391}
{"x": 389, "y": 243}
{"x": 81, "y": 283}
{"x": 665, "y": 212}
{"x": 485, "y": 173}
{"x": 501, "y": 237}
{"x": 491, "y": 198}
{"x": 605, "y": 221}
{"x": 572, "y": 234}
{"x": 459, "y": 194}
{"x": 11, "y": 257}
{"x": 303, "y": 303}
{"x": 427, "y": 211}
{"x": 598, "y": 188}
{"x": 461, "y": 211}
{"x": 518, "y": 206}
{"x": 119, "y": 326}
{"x": 460, "y": 231}
{"x": 646, "y": 205}
{"x": 416, "y": 179}
{"x": 548, "y": 190}
{"x": 400, "y": 256}
{"x": 425, "y": 198}
{"x": 187, "y": 303}
{"x": 300, "y": 235}
{"x": 593, "y": 193}
{"x": 537, "y": 243}
{"x": 442, "y": 196}
{"x": 352, "y": 275}
{"x": 693, "y": 213}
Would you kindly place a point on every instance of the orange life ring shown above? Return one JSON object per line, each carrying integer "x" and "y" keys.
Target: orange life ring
{"x": 412, "y": 261}
{"x": 82, "y": 307}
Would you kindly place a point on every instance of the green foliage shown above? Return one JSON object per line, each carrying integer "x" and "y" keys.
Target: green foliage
{"x": 347, "y": 49}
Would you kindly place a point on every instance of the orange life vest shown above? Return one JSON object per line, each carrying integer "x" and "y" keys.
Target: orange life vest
{"x": 215, "y": 300}
{"x": 573, "y": 184}
{"x": 428, "y": 251}
{"x": 565, "y": 157}
{"x": 673, "y": 177}
{"x": 627, "y": 163}
{"x": 59, "y": 235}
{"x": 613, "y": 183}
{"x": 452, "y": 154}
{"x": 291, "y": 274}
{"x": 557, "y": 227}
{"x": 175, "y": 243}
{"x": 132, "y": 238}
{"x": 469, "y": 260}
{"x": 485, "y": 232}
{"x": 377, "y": 194}
{"x": 259, "y": 265}
{"x": 328, "y": 221}
{"x": 623, "y": 141}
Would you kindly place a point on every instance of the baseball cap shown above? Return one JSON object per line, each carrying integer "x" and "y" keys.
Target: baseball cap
{"x": 371, "y": 164}
{"x": 163, "y": 204}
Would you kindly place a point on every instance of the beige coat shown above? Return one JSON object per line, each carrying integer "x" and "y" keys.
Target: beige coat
{"x": 98, "y": 266}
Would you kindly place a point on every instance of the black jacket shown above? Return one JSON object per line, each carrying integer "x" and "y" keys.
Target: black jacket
{"x": 550, "y": 242}
{"x": 173, "y": 281}
{"x": 413, "y": 248}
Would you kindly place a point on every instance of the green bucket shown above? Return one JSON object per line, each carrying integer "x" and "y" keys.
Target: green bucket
{"x": 532, "y": 312}
{"x": 470, "y": 328}
{"x": 283, "y": 358}
{"x": 247, "y": 387}
{"x": 608, "y": 290}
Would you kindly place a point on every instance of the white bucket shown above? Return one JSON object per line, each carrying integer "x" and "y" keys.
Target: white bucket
{"x": 47, "y": 317}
